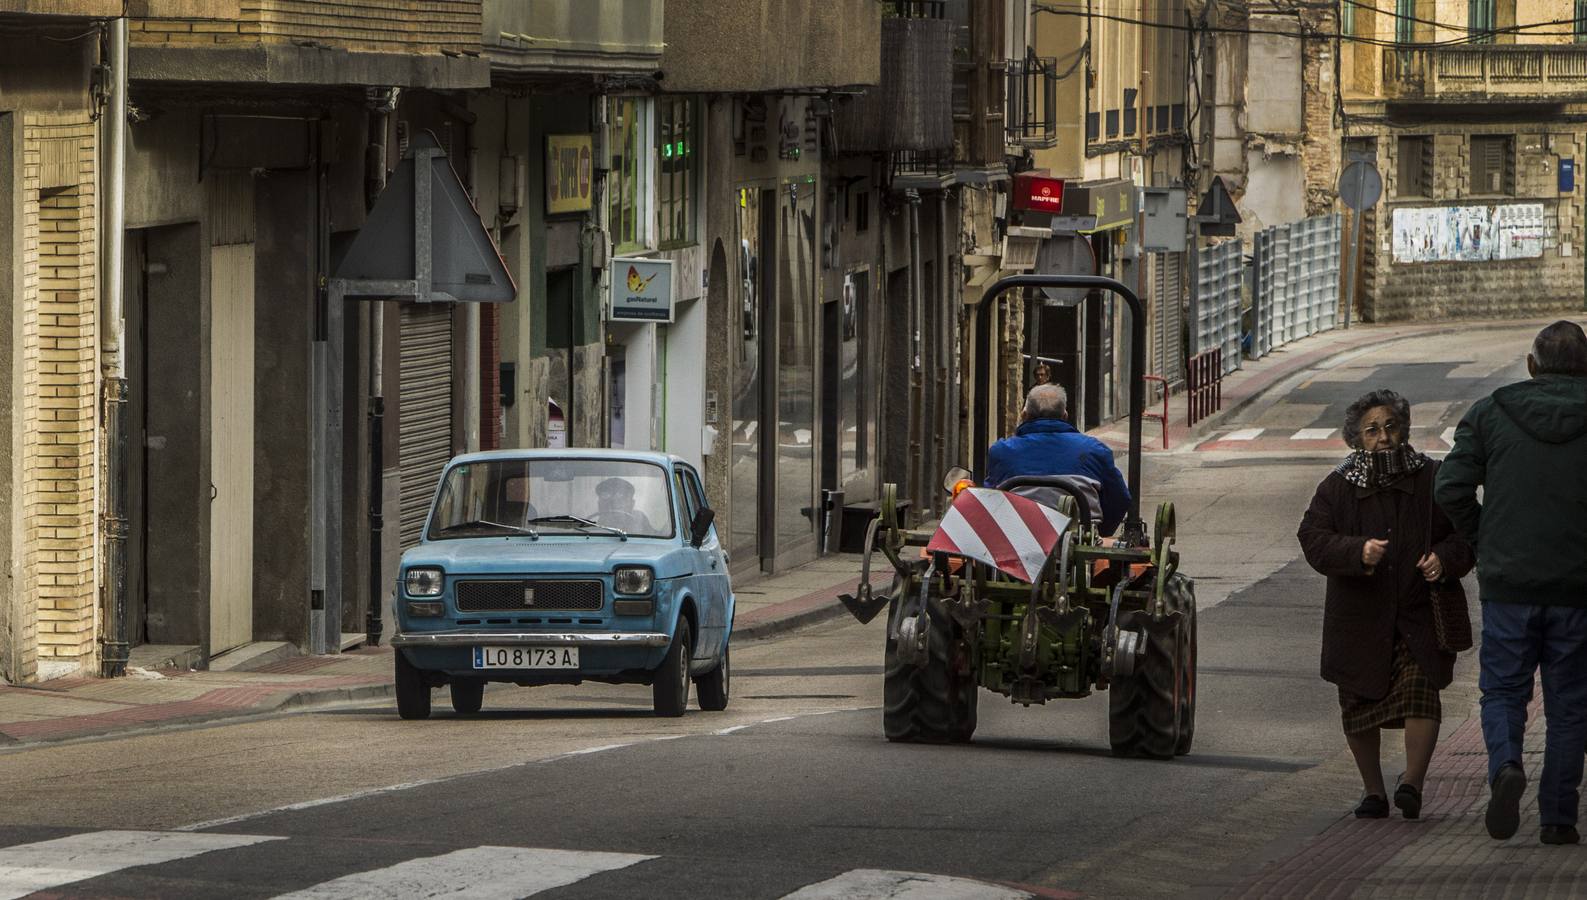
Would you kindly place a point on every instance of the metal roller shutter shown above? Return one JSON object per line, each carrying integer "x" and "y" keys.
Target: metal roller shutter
{"x": 1168, "y": 356}
{"x": 424, "y": 410}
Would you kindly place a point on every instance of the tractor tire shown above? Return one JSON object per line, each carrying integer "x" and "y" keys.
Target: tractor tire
{"x": 934, "y": 703}
{"x": 1187, "y": 694}
{"x": 1147, "y": 709}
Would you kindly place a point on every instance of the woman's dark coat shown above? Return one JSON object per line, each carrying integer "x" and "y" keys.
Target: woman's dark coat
{"x": 1363, "y": 612}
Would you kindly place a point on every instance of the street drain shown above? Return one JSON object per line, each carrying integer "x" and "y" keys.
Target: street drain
{"x": 798, "y": 696}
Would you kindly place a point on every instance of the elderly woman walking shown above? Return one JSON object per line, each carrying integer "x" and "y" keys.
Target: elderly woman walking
{"x": 1374, "y": 530}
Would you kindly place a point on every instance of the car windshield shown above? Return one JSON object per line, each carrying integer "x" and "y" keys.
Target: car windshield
{"x": 601, "y": 497}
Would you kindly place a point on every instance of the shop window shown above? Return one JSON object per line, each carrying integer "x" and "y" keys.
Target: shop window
{"x": 627, "y": 184}
{"x": 1414, "y": 167}
{"x": 1492, "y": 164}
{"x": 677, "y": 183}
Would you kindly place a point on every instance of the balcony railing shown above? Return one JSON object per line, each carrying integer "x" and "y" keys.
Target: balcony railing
{"x": 1508, "y": 72}
{"x": 1032, "y": 118}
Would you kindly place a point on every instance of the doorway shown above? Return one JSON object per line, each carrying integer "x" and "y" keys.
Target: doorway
{"x": 168, "y": 464}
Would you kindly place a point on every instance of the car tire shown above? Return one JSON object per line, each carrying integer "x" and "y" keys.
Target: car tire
{"x": 714, "y": 686}
{"x": 468, "y": 695}
{"x": 670, "y": 690}
{"x": 413, "y": 689}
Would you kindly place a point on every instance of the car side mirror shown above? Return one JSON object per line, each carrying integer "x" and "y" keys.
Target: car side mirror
{"x": 701, "y": 526}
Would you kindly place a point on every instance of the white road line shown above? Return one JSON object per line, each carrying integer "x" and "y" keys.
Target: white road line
{"x": 28, "y": 868}
{"x": 733, "y": 728}
{"x": 879, "y": 884}
{"x": 479, "y": 873}
{"x": 1448, "y": 437}
{"x": 1312, "y": 434}
{"x": 1244, "y": 434}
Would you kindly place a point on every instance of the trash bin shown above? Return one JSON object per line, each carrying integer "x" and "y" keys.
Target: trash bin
{"x": 831, "y": 522}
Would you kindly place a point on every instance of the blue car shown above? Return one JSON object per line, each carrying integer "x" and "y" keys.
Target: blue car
{"x": 564, "y": 566}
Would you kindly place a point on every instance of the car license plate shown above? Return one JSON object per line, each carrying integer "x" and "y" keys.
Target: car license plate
{"x": 526, "y": 657}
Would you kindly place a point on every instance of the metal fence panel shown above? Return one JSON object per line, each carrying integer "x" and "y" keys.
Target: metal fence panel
{"x": 1220, "y": 278}
{"x": 1296, "y": 291}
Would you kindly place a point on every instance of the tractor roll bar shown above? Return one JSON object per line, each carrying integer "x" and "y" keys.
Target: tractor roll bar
{"x": 985, "y": 375}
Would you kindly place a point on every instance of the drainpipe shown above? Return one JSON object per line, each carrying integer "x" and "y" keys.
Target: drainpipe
{"x": 113, "y": 654}
{"x": 917, "y": 315}
{"x": 382, "y": 105}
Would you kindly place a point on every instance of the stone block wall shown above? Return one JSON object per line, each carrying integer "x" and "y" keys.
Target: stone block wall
{"x": 57, "y": 596}
{"x": 1501, "y": 288}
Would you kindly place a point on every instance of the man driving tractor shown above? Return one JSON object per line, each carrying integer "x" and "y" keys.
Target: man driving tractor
{"x": 1045, "y": 444}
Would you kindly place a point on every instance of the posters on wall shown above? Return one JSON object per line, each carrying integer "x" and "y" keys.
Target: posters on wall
{"x": 1469, "y": 233}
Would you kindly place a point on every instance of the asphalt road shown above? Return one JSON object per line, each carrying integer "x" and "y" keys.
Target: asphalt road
{"x": 579, "y": 792}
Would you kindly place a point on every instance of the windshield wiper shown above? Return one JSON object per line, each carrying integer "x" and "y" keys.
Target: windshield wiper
{"x": 581, "y": 521}
{"x": 521, "y": 529}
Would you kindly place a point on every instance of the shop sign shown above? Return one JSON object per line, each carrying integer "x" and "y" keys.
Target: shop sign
{"x": 641, "y": 290}
{"x": 1038, "y": 193}
{"x": 569, "y": 172}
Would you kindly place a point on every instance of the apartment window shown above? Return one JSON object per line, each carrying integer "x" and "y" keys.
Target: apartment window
{"x": 1579, "y": 29}
{"x": 677, "y": 176}
{"x": 1093, "y": 126}
{"x": 1129, "y": 112}
{"x": 1481, "y": 20}
{"x": 1414, "y": 168}
{"x": 862, "y": 212}
{"x": 628, "y": 182}
{"x": 1492, "y": 164}
{"x": 1347, "y": 17}
{"x": 1404, "y": 21}
{"x": 1113, "y": 124}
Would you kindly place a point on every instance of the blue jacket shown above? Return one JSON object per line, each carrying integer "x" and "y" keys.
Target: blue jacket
{"x": 1054, "y": 447}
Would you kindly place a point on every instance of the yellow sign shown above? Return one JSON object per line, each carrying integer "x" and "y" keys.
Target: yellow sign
{"x": 569, "y": 172}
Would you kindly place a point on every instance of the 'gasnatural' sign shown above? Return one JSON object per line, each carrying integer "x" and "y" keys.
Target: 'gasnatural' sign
{"x": 641, "y": 290}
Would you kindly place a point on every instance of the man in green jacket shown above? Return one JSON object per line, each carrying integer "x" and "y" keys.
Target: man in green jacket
{"x": 1526, "y": 446}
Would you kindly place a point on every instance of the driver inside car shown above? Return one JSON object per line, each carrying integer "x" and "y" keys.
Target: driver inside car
{"x": 1046, "y": 445}
{"x": 615, "y": 499}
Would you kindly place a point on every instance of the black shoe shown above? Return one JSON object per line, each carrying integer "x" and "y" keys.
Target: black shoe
{"x": 1559, "y": 834}
{"x": 1409, "y": 800}
{"x": 1372, "y": 807}
{"x": 1504, "y": 803}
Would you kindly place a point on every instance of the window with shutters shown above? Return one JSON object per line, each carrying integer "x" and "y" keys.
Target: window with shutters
{"x": 1414, "y": 167}
{"x": 1492, "y": 164}
{"x": 1347, "y": 17}
{"x": 1404, "y": 21}
{"x": 1579, "y": 26}
{"x": 1481, "y": 21}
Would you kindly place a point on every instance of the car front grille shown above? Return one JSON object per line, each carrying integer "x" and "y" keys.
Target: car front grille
{"x": 478, "y": 596}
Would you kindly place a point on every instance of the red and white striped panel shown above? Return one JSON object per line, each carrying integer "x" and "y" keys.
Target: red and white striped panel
{"x": 1000, "y": 529}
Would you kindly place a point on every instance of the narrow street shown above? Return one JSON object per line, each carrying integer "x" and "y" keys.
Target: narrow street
{"x": 562, "y": 792}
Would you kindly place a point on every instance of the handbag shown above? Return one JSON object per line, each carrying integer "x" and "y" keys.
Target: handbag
{"x": 1451, "y": 618}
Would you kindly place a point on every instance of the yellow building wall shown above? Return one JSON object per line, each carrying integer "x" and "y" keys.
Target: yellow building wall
{"x": 59, "y": 389}
{"x": 1062, "y": 37}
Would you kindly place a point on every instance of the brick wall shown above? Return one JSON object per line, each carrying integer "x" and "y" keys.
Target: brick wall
{"x": 1524, "y": 287}
{"x": 395, "y": 26}
{"x": 60, "y": 376}
{"x": 1321, "y": 144}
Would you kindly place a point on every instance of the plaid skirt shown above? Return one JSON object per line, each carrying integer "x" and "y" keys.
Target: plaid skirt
{"x": 1410, "y": 696}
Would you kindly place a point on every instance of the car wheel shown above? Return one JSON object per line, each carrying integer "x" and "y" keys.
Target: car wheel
{"x": 468, "y": 695}
{"x": 713, "y": 686}
{"x": 413, "y": 691}
{"x": 670, "y": 691}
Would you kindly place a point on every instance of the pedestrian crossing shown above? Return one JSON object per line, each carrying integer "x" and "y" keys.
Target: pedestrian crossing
{"x": 477, "y": 873}
{"x": 1429, "y": 439}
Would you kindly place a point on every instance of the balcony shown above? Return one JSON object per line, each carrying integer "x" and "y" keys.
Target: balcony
{"x": 1032, "y": 117}
{"x": 911, "y": 109}
{"x": 1554, "y": 73}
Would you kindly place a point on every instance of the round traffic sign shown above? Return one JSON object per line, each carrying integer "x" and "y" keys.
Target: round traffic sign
{"x": 1360, "y": 185}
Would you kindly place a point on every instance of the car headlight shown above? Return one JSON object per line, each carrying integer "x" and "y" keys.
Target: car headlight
{"x": 423, "y": 582}
{"x": 632, "y": 580}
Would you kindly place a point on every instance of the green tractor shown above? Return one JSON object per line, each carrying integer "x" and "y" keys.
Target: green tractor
{"x": 1098, "y": 613}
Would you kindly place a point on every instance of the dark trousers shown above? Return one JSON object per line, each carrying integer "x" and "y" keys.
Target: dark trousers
{"x": 1517, "y": 638}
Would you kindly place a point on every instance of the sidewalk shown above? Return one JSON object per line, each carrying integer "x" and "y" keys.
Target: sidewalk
{"x": 1256, "y": 377}
{"x": 79, "y": 707}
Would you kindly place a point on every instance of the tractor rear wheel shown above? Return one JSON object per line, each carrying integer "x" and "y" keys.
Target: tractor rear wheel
{"x": 1147, "y": 710}
{"x": 932, "y": 703}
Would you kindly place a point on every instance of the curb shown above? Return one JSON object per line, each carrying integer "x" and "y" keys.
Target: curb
{"x": 756, "y": 631}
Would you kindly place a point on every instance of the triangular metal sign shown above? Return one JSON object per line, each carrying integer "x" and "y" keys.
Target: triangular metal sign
{"x": 449, "y": 256}
{"x": 1217, "y": 215}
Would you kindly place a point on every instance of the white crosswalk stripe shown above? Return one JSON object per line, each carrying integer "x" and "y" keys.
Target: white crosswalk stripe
{"x": 28, "y": 868}
{"x": 1313, "y": 434}
{"x": 1244, "y": 434}
{"x": 881, "y": 884}
{"x": 480, "y": 873}
{"x": 1449, "y": 437}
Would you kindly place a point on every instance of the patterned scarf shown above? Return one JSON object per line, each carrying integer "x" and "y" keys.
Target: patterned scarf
{"x": 1381, "y": 468}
